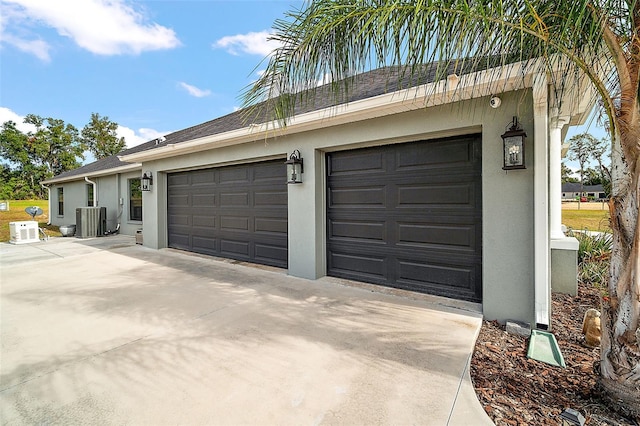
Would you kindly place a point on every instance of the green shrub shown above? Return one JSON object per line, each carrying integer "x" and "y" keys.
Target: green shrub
{"x": 594, "y": 258}
{"x": 593, "y": 246}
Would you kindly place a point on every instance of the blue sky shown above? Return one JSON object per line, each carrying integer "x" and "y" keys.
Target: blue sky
{"x": 152, "y": 66}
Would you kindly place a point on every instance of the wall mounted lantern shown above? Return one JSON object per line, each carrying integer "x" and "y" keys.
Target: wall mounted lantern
{"x": 146, "y": 181}
{"x": 294, "y": 167}
{"x": 513, "y": 141}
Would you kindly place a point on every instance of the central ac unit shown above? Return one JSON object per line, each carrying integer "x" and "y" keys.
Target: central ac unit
{"x": 91, "y": 222}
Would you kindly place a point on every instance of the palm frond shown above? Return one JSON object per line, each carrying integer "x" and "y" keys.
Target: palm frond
{"x": 340, "y": 39}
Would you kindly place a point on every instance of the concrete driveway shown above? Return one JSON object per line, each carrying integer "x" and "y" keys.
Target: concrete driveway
{"x": 102, "y": 331}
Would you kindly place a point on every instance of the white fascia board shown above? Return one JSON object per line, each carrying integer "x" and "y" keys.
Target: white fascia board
{"x": 106, "y": 172}
{"x": 475, "y": 85}
{"x": 578, "y": 102}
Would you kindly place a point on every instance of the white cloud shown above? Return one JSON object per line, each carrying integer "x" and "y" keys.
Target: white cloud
{"x": 250, "y": 43}
{"x": 103, "y": 27}
{"x": 38, "y": 48}
{"x": 133, "y": 138}
{"x": 194, "y": 91}
{"x": 20, "y": 39}
{"x": 8, "y": 115}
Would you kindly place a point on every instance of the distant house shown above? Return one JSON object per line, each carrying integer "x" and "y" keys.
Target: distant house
{"x": 403, "y": 186}
{"x": 571, "y": 191}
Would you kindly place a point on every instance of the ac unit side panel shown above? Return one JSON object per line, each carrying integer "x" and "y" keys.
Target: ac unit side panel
{"x": 23, "y": 232}
{"x": 91, "y": 221}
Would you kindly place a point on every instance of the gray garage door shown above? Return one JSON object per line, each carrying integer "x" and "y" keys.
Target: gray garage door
{"x": 239, "y": 212}
{"x": 408, "y": 216}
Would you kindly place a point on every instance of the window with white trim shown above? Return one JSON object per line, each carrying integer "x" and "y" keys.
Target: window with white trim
{"x": 135, "y": 200}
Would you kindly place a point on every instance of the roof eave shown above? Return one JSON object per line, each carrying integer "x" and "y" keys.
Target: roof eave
{"x": 450, "y": 90}
{"x": 105, "y": 172}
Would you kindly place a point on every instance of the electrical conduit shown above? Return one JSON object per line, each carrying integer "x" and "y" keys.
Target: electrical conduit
{"x": 48, "y": 201}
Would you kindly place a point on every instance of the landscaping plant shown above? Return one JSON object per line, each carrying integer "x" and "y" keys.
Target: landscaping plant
{"x": 594, "y": 259}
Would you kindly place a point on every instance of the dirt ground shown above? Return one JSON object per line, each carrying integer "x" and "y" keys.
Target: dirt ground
{"x": 516, "y": 390}
{"x": 573, "y": 205}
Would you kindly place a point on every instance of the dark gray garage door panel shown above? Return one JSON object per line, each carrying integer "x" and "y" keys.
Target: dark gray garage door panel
{"x": 238, "y": 212}
{"x": 408, "y": 216}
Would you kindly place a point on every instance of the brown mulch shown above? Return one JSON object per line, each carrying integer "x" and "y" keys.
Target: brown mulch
{"x": 515, "y": 390}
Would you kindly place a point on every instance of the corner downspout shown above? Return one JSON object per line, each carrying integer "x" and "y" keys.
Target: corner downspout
{"x": 542, "y": 250}
{"x": 95, "y": 191}
{"x": 48, "y": 202}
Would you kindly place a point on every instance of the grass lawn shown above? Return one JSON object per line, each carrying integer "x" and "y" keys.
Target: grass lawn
{"x": 593, "y": 219}
{"x": 16, "y": 213}
{"x": 585, "y": 218}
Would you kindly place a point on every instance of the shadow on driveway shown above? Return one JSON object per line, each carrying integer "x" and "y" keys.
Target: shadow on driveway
{"x": 126, "y": 334}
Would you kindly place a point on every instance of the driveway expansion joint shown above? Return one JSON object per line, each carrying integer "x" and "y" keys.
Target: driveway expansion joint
{"x": 66, "y": 365}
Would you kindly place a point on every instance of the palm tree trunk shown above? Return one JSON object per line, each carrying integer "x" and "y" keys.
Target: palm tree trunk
{"x": 620, "y": 345}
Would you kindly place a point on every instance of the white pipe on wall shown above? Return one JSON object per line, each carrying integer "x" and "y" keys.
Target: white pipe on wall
{"x": 48, "y": 201}
{"x": 542, "y": 250}
{"x": 95, "y": 191}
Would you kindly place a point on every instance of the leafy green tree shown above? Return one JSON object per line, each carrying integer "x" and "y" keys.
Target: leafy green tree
{"x": 566, "y": 173}
{"x": 19, "y": 175}
{"x": 53, "y": 148}
{"x": 599, "y": 39}
{"x": 11, "y": 184}
{"x": 12, "y": 145}
{"x": 580, "y": 150}
{"x": 600, "y": 150}
{"x": 585, "y": 148}
{"x": 592, "y": 176}
{"x": 100, "y": 137}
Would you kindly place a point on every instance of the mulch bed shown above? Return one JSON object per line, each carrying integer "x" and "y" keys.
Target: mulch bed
{"x": 515, "y": 390}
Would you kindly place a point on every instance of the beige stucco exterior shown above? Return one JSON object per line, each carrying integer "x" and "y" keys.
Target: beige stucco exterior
{"x": 112, "y": 192}
{"x": 518, "y": 206}
{"x": 508, "y": 248}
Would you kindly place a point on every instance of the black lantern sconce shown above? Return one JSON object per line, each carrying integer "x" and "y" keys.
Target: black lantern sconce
{"x": 146, "y": 181}
{"x": 294, "y": 167}
{"x": 513, "y": 145}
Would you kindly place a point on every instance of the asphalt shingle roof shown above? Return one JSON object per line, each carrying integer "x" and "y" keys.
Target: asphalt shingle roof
{"x": 575, "y": 187}
{"x": 106, "y": 163}
{"x": 364, "y": 86}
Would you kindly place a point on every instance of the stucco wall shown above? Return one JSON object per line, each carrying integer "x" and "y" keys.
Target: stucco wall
{"x": 75, "y": 195}
{"x": 508, "y": 249}
{"x": 564, "y": 266}
{"x": 112, "y": 193}
{"x": 107, "y": 197}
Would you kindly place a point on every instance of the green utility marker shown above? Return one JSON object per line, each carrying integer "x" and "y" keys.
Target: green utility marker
{"x": 543, "y": 346}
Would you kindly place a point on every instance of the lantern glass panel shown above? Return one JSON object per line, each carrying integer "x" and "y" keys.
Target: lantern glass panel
{"x": 294, "y": 172}
{"x": 513, "y": 152}
{"x": 145, "y": 182}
